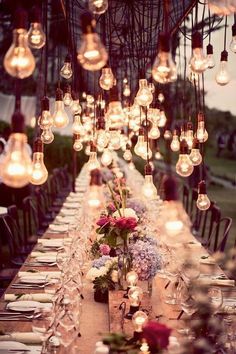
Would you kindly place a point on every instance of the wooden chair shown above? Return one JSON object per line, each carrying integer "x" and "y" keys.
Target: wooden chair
{"x": 30, "y": 221}
{"x": 219, "y": 235}
{"x": 185, "y": 198}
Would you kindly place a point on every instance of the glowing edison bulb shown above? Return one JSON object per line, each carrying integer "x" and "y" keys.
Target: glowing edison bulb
{"x": 98, "y": 7}
{"x": 132, "y": 278}
{"x": 144, "y": 96}
{"x": 154, "y": 132}
{"x": 222, "y": 76}
{"x": 19, "y": 61}
{"x": 139, "y": 319}
{"x": 115, "y": 139}
{"x": 66, "y": 70}
{"x": 93, "y": 162}
{"x": 189, "y": 135}
{"x": 39, "y": 173}
{"x": 47, "y": 136}
{"x": 16, "y": 165}
{"x": 127, "y": 155}
{"x": 144, "y": 349}
{"x": 126, "y": 91}
{"x": 162, "y": 119}
{"x": 102, "y": 138}
{"x": 161, "y": 97}
{"x": 164, "y": 69}
{"x": 77, "y": 126}
{"x": 148, "y": 189}
{"x": 167, "y": 134}
{"x": 75, "y": 106}
{"x": 67, "y": 99}
{"x": 60, "y": 117}
{"x": 203, "y": 202}
{"x": 175, "y": 144}
{"x": 210, "y": 56}
{"x": 135, "y": 296}
{"x": 158, "y": 155}
{"x": 184, "y": 166}
{"x": 36, "y": 36}
{"x": 45, "y": 120}
{"x": 193, "y": 77}
{"x": 115, "y": 114}
{"x": 202, "y": 134}
{"x": 233, "y": 41}
{"x": 77, "y": 146}
{"x": 195, "y": 156}
{"x": 106, "y": 158}
{"x": 140, "y": 147}
{"x": 147, "y": 153}
{"x": 106, "y": 79}
{"x": 198, "y": 62}
{"x": 92, "y": 55}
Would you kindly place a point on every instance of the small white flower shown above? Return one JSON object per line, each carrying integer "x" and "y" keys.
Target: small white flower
{"x": 126, "y": 212}
{"x": 114, "y": 276}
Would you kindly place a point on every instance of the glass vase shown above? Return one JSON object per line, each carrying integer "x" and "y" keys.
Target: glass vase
{"x": 124, "y": 266}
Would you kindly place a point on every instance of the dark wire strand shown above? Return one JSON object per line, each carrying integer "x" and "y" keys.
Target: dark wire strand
{"x": 225, "y": 32}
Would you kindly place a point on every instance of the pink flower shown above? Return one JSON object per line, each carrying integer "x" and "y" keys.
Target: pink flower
{"x": 103, "y": 221}
{"x": 156, "y": 335}
{"x": 111, "y": 207}
{"x": 124, "y": 223}
{"x": 104, "y": 249}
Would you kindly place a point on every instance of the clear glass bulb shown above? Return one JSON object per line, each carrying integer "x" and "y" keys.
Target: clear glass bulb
{"x": 161, "y": 97}
{"x": 154, "y": 132}
{"x": 75, "y": 107}
{"x": 164, "y": 69}
{"x": 115, "y": 114}
{"x": 158, "y": 155}
{"x": 196, "y": 157}
{"x": 39, "y": 173}
{"x": 135, "y": 295}
{"x": 162, "y": 119}
{"x": 93, "y": 162}
{"x": 92, "y": 54}
{"x": 102, "y": 138}
{"x": 167, "y": 134}
{"x": 184, "y": 166}
{"x": 210, "y": 61}
{"x": 144, "y": 96}
{"x": 36, "y": 36}
{"x": 198, "y": 62}
{"x": 98, "y": 7}
{"x": 193, "y": 77}
{"x": 19, "y": 61}
{"x": 140, "y": 147}
{"x": 126, "y": 91}
{"x": 60, "y": 117}
{"x": 148, "y": 189}
{"x": 115, "y": 139}
{"x": 45, "y": 120}
{"x": 203, "y": 202}
{"x": 66, "y": 71}
{"x": 222, "y": 76}
{"x": 67, "y": 99}
{"x": 146, "y": 154}
{"x": 16, "y": 164}
{"x": 106, "y": 79}
{"x": 106, "y": 158}
{"x": 233, "y": 44}
{"x": 139, "y": 319}
{"x": 77, "y": 126}
{"x": 132, "y": 278}
{"x": 77, "y": 146}
{"x": 47, "y": 136}
{"x": 175, "y": 144}
{"x": 202, "y": 134}
{"x": 127, "y": 155}
{"x": 189, "y": 138}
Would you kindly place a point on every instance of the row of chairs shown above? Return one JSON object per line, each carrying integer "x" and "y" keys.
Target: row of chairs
{"x": 20, "y": 228}
{"x": 208, "y": 226}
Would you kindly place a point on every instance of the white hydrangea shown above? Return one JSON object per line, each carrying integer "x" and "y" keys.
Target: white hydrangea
{"x": 126, "y": 212}
{"x": 95, "y": 273}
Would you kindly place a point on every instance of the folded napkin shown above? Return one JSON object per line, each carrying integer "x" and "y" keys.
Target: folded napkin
{"x": 40, "y": 297}
{"x": 71, "y": 205}
{"x": 207, "y": 259}
{"x": 58, "y": 228}
{"x": 40, "y": 274}
{"x": 46, "y": 258}
{"x": 67, "y": 212}
{"x": 23, "y": 337}
{"x": 33, "y": 279}
{"x": 216, "y": 280}
{"x": 56, "y": 242}
{"x": 65, "y": 219}
{"x": 46, "y": 253}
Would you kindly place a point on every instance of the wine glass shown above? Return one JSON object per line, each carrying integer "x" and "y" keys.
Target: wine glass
{"x": 66, "y": 328}
{"x": 52, "y": 284}
{"x": 42, "y": 324}
{"x": 190, "y": 271}
{"x": 216, "y": 298}
{"x": 61, "y": 259}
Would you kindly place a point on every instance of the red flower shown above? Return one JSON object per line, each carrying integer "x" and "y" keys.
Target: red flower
{"x": 111, "y": 207}
{"x": 124, "y": 223}
{"x": 103, "y": 221}
{"x": 156, "y": 335}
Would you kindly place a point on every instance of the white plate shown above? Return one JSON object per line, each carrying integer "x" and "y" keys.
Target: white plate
{"x": 23, "y": 306}
{"x": 46, "y": 259}
{"x": 33, "y": 279}
{"x": 58, "y": 228}
{"x": 71, "y": 205}
{"x": 68, "y": 212}
{"x": 10, "y": 345}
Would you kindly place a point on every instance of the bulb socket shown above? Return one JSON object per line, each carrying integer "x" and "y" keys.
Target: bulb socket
{"x": 74, "y": 95}
{"x": 164, "y": 42}
{"x": 224, "y": 55}
{"x": 197, "y": 40}
{"x": 35, "y": 15}
{"x": 92, "y": 147}
{"x": 148, "y": 170}
{"x": 88, "y": 22}
{"x": 141, "y": 131}
{"x": 95, "y": 177}
{"x": 20, "y": 18}
{"x": 234, "y": 30}
{"x": 45, "y": 104}
{"x": 67, "y": 89}
{"x": 189, "y": 126}
{"x": 67, "y": 58}
{"x": 209, "y": 49}
{"x": 127, "y": 146}
{"x": 170, "y": 188}
{"x": 196, "y": 144}
{"x": 76, "y": 136}
{"x": 101, "y": 123}
{"x": 38, "y": 145}
{"x": 59, "y": 94}
{"x": 183, "y": 147}
{"x": 200, "y": 117}
{"x": 18, "y": 123}
{"x": 202, "y": 187}
{"x": 114, "y": 96}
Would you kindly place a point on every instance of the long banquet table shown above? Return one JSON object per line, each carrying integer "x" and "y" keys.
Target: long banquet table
{"x": 95, "y": 316}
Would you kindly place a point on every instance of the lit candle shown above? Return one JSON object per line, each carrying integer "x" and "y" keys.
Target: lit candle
{"x": 132, "y": 278}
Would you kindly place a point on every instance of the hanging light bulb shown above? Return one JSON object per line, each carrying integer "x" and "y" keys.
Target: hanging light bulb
{"x": 222, "y": 8}
{"x": 154, "y": 132}
{"x": 92, "y": 55}
{"x": 161, "y": 97}
{"x": 16, "y": 165}
{"x": 77, "y": 146}
{"x": 151, "y": 87}
{"x": 19, "y": 61}
{"x": 203, "y": 202}
{"x": 60, "y": 117}
{"x": 233, "y": 41}
{"x": 144, "y": 96}
{"x": 222, "y": 76}
{"x": 114, "y": 139}
{"x": 75, "y": 105}
{"x": 102, "y": 136}
{"x": 98, "y": 7}
{"x": 95, "y": 196}
{"x": 149, "y": 190}
{"x": 36, "y": 35}
{"x": 167, "y": 134}
{"x": 162, "y": 119}
{"x": 106, "y": 158}
{"x": 175, "y": 144}
{"x": 67, "y": 99}
{"x": 77, "y": 126}
{"x": 127, "y": 154}
{"x": 39, "y": 172}
{"x": 198, "y": 62}
{"x": 184, "y": 166}
{"x": 140, "y": 147}
{"x": 45, "y": 120}
{"x": 195, "y": 155}
{"x": 47, "y": 136}
{"x": 115, "y": 114}
{"x": 210, "y": 56}
{"x": 193, "y": 77}
{"x": 126, "y": 90}
{"x": 106, "y": 79}
{"x": 93, "y": 162}
{"x": 164, "y": 69}
{"x": 158, "y": 155}
{"x": 202, "y": 134}
{"x": 189, "y": 135}
{"x": 66, "y": 70}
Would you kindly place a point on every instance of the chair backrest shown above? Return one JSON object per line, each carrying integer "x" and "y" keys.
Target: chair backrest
{"x": 15, "y": 225}
{"x": 30, "y": 218}
{"x": 219, "y": 234}
{"x": 185, "y": 198}
{"x": 7, "y": 236}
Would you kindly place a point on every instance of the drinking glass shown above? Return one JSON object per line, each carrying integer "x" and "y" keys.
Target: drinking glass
{"x": 216, "y": 298}
{"x": 42, "y": 324}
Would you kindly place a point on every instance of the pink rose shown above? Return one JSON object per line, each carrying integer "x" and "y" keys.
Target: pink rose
{"x": 111, "y": 207}
{"x": 124, "y": 223}
{"x": 103, "y": 221}
{"x": 156, "y": 335}
{"x": 104, "y": 249}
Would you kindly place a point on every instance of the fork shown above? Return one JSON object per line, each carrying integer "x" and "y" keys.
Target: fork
{"x": 40, "y": 264}
{"x": 27, "y": 286}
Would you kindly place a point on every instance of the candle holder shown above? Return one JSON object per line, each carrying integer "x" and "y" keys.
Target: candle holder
{"x": 135, "y": 295}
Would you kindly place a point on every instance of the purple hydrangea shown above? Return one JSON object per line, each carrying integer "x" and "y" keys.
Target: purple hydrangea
{"x": 145, "y": 259}
{"x": 100, "y": 262}
{"x": 137, "y": 205}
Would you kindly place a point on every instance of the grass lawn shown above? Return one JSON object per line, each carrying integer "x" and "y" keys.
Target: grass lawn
{"x": 222, "y": 167}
